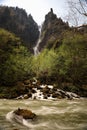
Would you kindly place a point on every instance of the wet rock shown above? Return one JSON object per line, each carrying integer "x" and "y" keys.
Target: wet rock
{"x": 51, "y": 91}
{"x": 45, "y": 97}
{"x": 29, "y": 95}
{"x": 15, "y": 129}
{"x": 26, "y": 96}
{"x": 33, "y": 91}
{"x": 61, "y": 91}
{"x": 54, "y": 95}
{"x": 26, "y": 114}
{"x": 54, "y": 89}
{"x": 20, "y": 97}
{"x": 34, "y": 97}
{"x": 48, "y": 95}
{"x": 45, "y": 90}
{"x": 71, "y": 95}
{"x": 38, "y": 91}
{"x": 75, "y": 95}
{"x": 39, "y": 87}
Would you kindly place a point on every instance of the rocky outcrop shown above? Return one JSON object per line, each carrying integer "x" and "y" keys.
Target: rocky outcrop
{"x": 26, "y": 114}
{"x": 40, "y": 92}
{"x": 18, "y": 22}
{"x": 52, "y": 30}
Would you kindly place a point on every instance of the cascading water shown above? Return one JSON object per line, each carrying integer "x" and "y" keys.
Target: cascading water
{"x": 36, "y": 48}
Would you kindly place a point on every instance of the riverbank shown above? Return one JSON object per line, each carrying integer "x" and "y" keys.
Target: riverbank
{"x": 33, "y": 89}
{"x": 47, "y": 92}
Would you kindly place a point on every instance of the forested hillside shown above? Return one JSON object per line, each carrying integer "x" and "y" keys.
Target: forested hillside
{"x": 14, "y": 59}
{"x": 17, "y": 21}
{"x": 62, "y": 61}
{"x": 66, "y": 65}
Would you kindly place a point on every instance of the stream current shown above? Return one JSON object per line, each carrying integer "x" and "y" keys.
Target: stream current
{"x": 51, "y": 115}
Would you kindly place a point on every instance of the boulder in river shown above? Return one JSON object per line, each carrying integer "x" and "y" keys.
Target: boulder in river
{"x": 26, "y": 114}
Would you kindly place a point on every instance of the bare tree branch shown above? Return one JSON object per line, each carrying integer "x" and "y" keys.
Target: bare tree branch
{"x": 85, "y": 13}
{"x": 81, "y": 9}
{"x": 77, "y": 13}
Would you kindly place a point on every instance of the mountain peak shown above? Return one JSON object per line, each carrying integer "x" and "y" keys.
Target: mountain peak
{"x": 52, "y": 28}
{"x": 51, "y": 10}
{"x": 50, "y": 15}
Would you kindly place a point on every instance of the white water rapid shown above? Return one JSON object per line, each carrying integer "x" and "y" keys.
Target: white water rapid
{"x": 36, "y": 48}
{"x": 51, "y": 115}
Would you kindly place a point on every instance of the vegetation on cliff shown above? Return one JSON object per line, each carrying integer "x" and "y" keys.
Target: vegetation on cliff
{"x": 15, "y": 59}
{"x": 65, "y": 64}
{"x": 52, "y": 30}
{"x": 62, "y": 61}
{"x": 18, "y": 22}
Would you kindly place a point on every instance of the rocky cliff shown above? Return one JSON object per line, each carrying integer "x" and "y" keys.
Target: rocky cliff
{"x": 52, "y": 30}
{"x": 17, "y": 21}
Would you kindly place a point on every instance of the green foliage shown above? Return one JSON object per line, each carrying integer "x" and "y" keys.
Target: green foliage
{"x": 15, "y": 59}
{"x": 68, "y": 63}
{"x": 43, "y": 64}
{"x": 74, "y": 56}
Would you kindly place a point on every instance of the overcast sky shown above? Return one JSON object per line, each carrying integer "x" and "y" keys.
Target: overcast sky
{"x": 39, "y": 8}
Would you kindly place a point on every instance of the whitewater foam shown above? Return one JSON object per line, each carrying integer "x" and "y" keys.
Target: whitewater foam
{"x": 9, "y": 116}
{"x": 32, "y": 125}
{"x": 28, "y": 123}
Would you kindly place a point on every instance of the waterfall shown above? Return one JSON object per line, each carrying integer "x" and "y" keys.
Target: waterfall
{"x": 36, "y": 48}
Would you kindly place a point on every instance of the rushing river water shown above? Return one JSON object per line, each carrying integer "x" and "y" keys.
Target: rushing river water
{"x": 52, "y": 115}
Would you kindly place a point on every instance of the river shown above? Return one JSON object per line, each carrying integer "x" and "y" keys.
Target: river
{"x": 51, "y": 115}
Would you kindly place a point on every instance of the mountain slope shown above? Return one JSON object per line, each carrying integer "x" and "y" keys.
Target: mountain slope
{"x": 14, "y": 59}
{"x": 18, "y": 22}
{"x": 52, "y": 30}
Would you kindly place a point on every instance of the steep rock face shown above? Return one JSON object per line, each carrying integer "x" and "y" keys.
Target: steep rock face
{"x": 17, "y": 21}
{"x": 52, "y": 30}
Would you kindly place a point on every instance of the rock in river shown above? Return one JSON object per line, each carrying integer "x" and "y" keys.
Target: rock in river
{"x": 26, "y": 114}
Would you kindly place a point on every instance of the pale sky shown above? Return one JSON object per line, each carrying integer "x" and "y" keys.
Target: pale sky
{"x": 39, "y": 8}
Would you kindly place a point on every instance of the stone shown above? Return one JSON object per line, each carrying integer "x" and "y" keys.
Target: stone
{"x": 29, "y": 95}
{"x": 45, "y": 96}
{"x": 45, "y": 90}
{"x": 26, "y": 96}
{"x": 26, "y": 82}
{"x": 33, "y": 91}
{"x": 15, "y": 129}
{"x": 54, "y": 95}
{"x": 26, "y": 114}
